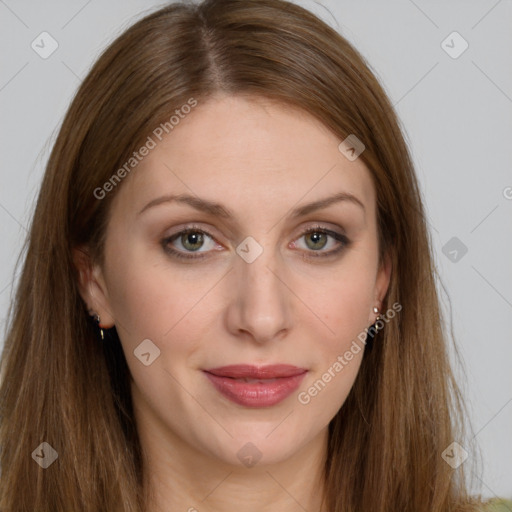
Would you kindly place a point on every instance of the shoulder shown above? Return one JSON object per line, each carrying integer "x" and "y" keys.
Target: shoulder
{"x": 498, "y": 506}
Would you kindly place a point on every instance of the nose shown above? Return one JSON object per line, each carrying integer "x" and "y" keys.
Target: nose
{"x": 260, "y": 307}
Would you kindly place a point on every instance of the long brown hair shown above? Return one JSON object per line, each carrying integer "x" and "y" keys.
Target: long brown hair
{"x": 62, "y": 386}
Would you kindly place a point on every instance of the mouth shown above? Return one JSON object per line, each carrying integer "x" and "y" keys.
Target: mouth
{"x": 252, "y": 386}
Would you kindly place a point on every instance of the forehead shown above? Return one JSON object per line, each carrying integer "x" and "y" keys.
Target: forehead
{"x": 248, "y": 152}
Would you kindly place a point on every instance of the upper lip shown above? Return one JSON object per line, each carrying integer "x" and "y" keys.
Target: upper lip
{"x": 238, "y": 371}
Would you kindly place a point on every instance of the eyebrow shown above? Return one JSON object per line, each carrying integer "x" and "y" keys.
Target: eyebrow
{"x": 219, "y": 210}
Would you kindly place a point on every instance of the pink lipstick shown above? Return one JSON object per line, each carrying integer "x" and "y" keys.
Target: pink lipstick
{"x": 253, "y": 386}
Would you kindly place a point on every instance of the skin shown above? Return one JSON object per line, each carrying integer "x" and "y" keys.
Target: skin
{"x": 260, "y": 159}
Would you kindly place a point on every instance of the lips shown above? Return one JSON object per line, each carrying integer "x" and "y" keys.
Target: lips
{"x": 253, "y": 386}
{"x": 241, "y": 371}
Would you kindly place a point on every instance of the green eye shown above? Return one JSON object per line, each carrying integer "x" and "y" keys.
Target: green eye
{"x": 192, "y": 240}
{"x": 318, "y": 240}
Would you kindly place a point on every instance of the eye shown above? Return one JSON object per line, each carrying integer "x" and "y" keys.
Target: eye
{"x": 190, "y": 240}
{"x": 318, "y": 238}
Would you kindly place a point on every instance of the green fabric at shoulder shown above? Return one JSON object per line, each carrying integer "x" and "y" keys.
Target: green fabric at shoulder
{"x": 499, "y": 506}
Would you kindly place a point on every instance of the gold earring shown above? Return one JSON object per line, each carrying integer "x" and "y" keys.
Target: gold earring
{"x": 376, "y": 310}
{"x": 97, "y": 318}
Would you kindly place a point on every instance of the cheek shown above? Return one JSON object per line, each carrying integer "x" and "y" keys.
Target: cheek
{"x": 346, "y": 314}
{"x": 344, "y": 308}
{"x": 150, "y": 303}
{"x": 344, "y": 301}
{"x": 154, "y": 301}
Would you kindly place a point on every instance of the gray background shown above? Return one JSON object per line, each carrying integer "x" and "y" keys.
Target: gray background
{"x": 456, "y": 114}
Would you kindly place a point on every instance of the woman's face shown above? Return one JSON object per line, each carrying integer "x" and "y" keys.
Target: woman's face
{"x": 247, "y": 285}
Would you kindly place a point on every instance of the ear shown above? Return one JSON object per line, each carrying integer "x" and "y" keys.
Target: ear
{"x": 382, "y": 283}
{"x": 92, "y": 287}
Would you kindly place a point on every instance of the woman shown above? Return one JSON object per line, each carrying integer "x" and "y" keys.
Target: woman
{"x": 228, "y": 286}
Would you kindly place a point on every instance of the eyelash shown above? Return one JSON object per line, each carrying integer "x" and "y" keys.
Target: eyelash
{"x": 345, "y": 242}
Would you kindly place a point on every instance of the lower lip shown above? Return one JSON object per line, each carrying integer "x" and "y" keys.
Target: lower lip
{"x": 257, "y": 394}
